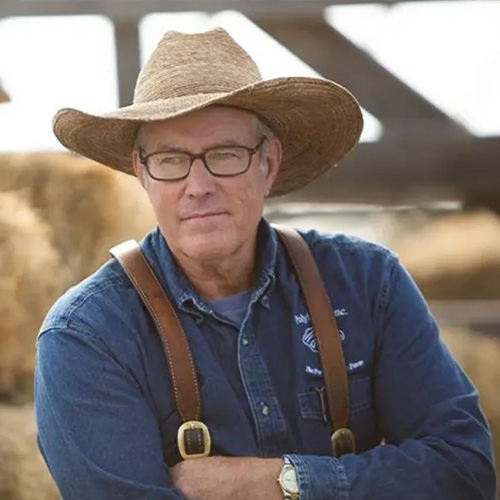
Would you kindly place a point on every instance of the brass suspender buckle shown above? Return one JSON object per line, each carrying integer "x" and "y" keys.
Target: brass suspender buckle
{"x": 343, "y": 442}
{"x": 193, "y": 440}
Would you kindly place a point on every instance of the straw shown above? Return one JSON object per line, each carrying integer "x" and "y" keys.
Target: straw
{"x": 317, "y": 120}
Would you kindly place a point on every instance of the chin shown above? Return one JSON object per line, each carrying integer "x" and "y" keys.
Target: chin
{"x": 209, "y": 246}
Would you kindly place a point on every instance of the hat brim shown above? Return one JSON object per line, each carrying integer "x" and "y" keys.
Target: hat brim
{"x": 317, "y": 121}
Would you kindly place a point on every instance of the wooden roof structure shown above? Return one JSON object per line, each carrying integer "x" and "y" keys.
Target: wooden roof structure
{"x": 424, "y": 155}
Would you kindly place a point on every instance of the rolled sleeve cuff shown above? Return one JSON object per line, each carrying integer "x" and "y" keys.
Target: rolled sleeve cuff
{"x": 320, "y": 478}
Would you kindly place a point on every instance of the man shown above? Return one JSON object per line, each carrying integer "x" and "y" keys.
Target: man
{"x": 209, "y": 140}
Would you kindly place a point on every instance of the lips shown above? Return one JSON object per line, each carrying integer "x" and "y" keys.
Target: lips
{"x": 202, "y": 215}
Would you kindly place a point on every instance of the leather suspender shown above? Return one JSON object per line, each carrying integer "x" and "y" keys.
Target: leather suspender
{"x": 327, "y": 336}
{"x": 193, "y": 437}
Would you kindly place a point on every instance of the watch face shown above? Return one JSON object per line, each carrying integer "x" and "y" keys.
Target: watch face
{"x": 289, "y": 480}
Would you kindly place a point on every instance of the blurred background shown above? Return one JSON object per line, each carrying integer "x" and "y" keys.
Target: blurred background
{"x": 425, "y": 179}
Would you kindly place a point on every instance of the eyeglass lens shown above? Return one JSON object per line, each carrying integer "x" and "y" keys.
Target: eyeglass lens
{"x": 221, "y": 161}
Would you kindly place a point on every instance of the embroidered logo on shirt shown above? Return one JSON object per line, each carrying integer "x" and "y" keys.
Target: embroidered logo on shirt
{"x": 309, "y": 340}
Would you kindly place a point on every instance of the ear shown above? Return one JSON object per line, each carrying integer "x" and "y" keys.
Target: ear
{"x": 139, "y": 168}
{"x": 274, "y": 155}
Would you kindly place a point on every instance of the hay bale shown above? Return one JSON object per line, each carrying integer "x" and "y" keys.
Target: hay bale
{"x": 479, "y": 356}
{"x": 455, "y": 257}
{"x": 3, "y": 95}
{"x": 31, "y": 277}
{"x": 89, "y": 207}
{"x": 23, "y": 473}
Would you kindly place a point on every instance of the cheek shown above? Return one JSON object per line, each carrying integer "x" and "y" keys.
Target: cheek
{"x": 163, "y": 203}
{"x": 248, "y": 199}
{"x": 254, "y": 187}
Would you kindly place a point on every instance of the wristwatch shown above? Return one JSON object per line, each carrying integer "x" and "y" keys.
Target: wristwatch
{"x": 288, "y": 480}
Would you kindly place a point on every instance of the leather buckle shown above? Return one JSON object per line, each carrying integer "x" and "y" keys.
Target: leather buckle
{"x": 193, "y": 440}
{"x": 343, "y": 442}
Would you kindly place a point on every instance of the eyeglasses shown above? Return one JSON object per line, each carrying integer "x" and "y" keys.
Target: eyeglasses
{"x": 220, "y": 161}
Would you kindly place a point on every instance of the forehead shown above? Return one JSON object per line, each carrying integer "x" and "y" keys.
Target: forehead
{"x": 210, "y": 125}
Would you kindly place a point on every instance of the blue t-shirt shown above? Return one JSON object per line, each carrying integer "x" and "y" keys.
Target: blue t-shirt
{"x": 107, "y": 420}
{"x": 233, "y": 308}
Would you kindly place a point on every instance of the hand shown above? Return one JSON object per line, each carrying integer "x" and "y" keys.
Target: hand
{"x": 229, "y": 478}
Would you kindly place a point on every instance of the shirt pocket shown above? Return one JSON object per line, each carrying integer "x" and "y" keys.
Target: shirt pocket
{"x": 312, "y": 404}
{"x": 313, "y": 428}
{"x": 313, "y": 407}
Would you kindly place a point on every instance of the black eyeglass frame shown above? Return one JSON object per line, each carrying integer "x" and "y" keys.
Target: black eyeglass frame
{"x": 143, "y": 159}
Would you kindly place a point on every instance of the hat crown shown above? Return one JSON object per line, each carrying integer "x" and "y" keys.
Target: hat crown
{"x": 190, "y": 64}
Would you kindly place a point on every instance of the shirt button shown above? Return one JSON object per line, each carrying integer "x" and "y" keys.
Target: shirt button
{"x": 265, "y": 410}
{"x": 245, "y": 341}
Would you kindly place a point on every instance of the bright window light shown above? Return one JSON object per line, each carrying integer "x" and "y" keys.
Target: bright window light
{"x": 47, "y": 63}
{"x": 447, "y": 51}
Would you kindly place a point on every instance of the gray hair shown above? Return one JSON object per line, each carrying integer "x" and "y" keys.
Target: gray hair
{"x": 262, "y": 129}
{"x": 139, "y": 138}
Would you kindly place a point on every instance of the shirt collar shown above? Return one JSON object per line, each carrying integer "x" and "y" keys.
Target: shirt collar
{"x": 180, "y": 289}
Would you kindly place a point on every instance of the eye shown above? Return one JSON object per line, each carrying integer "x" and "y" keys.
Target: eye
{"x": 225, "y": 154}
{"x": 171, "y": 160}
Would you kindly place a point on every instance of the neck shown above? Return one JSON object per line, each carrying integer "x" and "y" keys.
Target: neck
{"x": 221, "y": 277}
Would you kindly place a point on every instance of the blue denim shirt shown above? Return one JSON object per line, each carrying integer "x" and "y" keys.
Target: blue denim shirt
{"x": 105, "y": 412}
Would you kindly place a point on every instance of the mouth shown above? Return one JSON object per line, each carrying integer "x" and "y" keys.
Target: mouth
{"x": 203, "y": 215}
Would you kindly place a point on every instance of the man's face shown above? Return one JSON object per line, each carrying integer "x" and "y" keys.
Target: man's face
{"x": 204, "y": 217}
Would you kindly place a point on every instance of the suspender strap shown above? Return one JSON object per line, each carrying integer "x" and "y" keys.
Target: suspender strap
{"x": 193, "y": 436}
{"x": 327, "y": 336}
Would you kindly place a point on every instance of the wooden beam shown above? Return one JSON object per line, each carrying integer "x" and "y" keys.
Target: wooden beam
{"x": 334, "y": 56}
{"x": 128, "y": 58}
{"x": 135, "y": 9}
{"x": 412, "y": 171}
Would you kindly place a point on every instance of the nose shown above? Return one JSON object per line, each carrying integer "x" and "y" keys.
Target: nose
{"x": 200, "y": 182}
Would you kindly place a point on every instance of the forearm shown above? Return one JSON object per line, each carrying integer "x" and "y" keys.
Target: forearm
{"x": 229, "y": 478}
{"x": 428, "y": 468}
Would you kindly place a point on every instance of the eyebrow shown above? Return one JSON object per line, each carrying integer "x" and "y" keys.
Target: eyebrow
{"x": 164, "y": 146}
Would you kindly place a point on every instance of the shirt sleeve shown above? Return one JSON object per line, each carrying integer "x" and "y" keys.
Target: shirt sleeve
{"x": 437, "y": 445}
{"x": 96, "y": 431}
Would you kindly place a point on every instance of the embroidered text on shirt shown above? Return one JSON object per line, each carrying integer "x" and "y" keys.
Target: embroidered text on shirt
{"x": 302, "y": 319}
{"x": 314, "y": 371}
{"x": 357, "y": 364}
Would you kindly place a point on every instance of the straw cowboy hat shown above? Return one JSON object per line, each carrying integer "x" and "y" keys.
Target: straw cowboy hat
{"x": 317, "y": 120}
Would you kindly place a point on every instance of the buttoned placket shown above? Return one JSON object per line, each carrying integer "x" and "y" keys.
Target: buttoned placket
{"x": 272, "y": 435}
{"x": 269, "y": 421}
